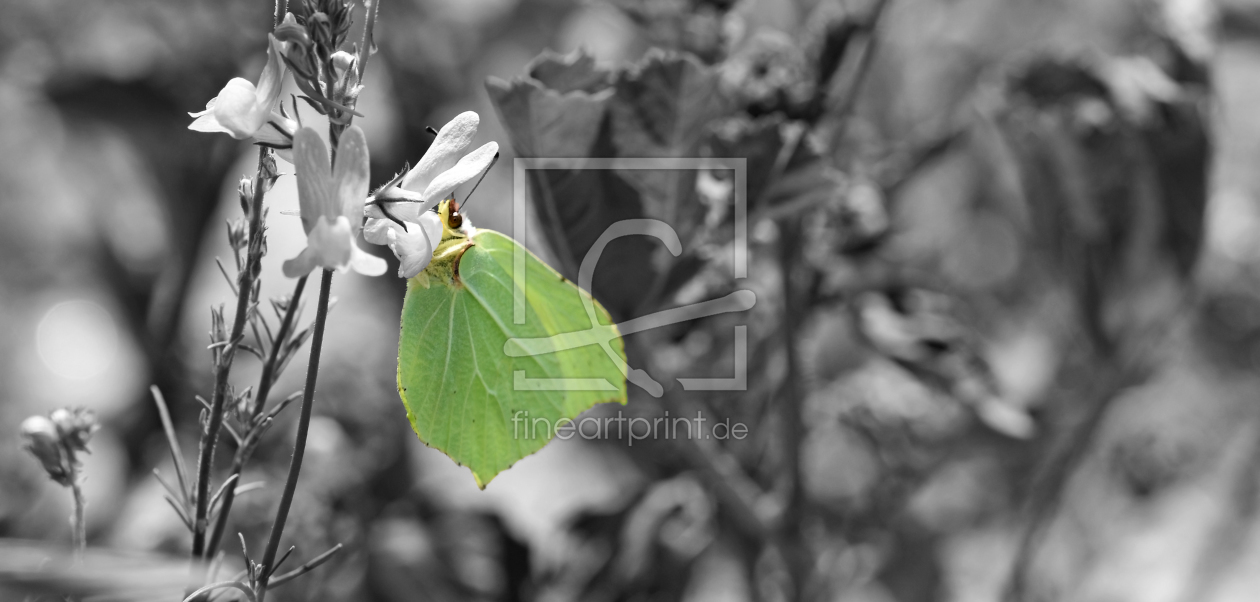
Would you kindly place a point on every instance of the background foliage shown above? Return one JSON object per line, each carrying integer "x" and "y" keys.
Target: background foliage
{"x": 1056, "y": 226}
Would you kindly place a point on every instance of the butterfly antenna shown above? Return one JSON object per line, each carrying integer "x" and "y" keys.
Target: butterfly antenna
{"x": 485, "y": 171}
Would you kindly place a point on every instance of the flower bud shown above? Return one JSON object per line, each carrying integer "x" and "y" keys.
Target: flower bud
{"x": 75, "y": 426}
{"x": 218, "y": 326}
{"x": 291, "y": 31}
{"x": 245, "y": 192}
{"x": 320, "y": 28}
{"x": 270, "y": 173}
{"x": 40, "y": 437}
{"x": 237, "y": 234}
{"x": 342, "y": 62}
{"x": 242, "y": 405}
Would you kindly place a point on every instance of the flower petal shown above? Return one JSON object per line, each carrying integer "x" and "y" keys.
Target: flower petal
{"x": 432, "y": 226}
{"x": 271, "y": 81}
{"x": 301, "y": 265}
{"x": 376, "y": 228}
{"x": 277, "y": 132}
{"x": 351, "y": 175}
{"x": 342, "y": 62}
{"x": 444, "y": 151}
{"x": 205, "y": 121}
{"x": 366, "y": 263}
{"x": 235, "y": 108}
{"x": 316, "y": 196}
{"x": 329, "y": 245}
{"x": 414, "y": 248}
{"x": 402, "y": 204}
{"x": 472, "y": 165}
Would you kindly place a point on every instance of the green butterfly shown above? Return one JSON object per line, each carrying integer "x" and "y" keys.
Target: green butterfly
{"x": 482, "y": 385}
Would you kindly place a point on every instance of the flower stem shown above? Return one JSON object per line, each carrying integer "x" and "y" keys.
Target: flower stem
{"x": 371, "y": 8}
{"x": 78, "y": 521}
{"x": 223, "y": 367}
{"x": 792, "y": 424}
{"x": 299, "y": 445}
{"x": 265, "y": 381}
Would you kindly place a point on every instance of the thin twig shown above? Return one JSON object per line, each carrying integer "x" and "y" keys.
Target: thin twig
{"x": 370, "y": 10}
{"x": 249, "y": 594}
{"x": 183, "y": 516}
{"x": 1049, "y": 486}
{"x": 284, "y": 557}
{"x": 849, "y": 101}
{"x": 310, "y": 565}
{"x": 228, "y": 484}
{"x": 279, "y": 407}
{"x": 299, "y": 446}
{"x": 265, "y": 381}
{"x": 223, "y": 367}
{"x": 177, "y": 455}
{"x": 732, "y": 486}
{"x": 255, "y": 318}
{"x": 226, "y": 276}
{"x": 271, "y": 338}
{"x": 791, "y": 419}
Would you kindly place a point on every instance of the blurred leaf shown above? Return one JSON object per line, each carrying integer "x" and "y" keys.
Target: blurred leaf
{"x": 696, "y": 26}
{"x": 574, "y": 206}
{"x": 1116, "y": 195}
{"x": 557, "y": 110}
{"x": 836, "y": 38}
{"x": 573, "y": 72}
{"x": 567, "y": 107}
{"x": 661, "y": 109}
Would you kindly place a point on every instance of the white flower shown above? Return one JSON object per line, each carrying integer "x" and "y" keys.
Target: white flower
{"x": 330, "y": 200}
{"x": 40, "y": 437}
{"x": 412, "y": 195}
{"x": 245, "y": 111}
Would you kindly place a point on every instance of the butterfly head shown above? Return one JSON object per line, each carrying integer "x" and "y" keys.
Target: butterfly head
{"x": 454, "y": 224}
{"x": 453, "y": 219}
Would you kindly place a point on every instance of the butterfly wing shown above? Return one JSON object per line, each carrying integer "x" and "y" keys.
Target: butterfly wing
{"x": 465, "y": 394}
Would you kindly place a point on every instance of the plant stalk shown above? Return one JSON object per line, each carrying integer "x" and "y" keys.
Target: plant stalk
{"x": 791, "y": 419}
{"x": 299, "y": 445}
{"x": 78, "y": 520}
{"x": 265, "y": 382}
{"x": 244, "y": 289}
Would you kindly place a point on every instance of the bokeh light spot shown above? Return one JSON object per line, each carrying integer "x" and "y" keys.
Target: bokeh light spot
{"x": 77, "y": 339}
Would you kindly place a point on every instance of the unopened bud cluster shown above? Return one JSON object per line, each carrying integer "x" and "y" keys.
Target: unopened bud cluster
{"x": 56, "y": 441}
{"x": 313, "y": 34}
